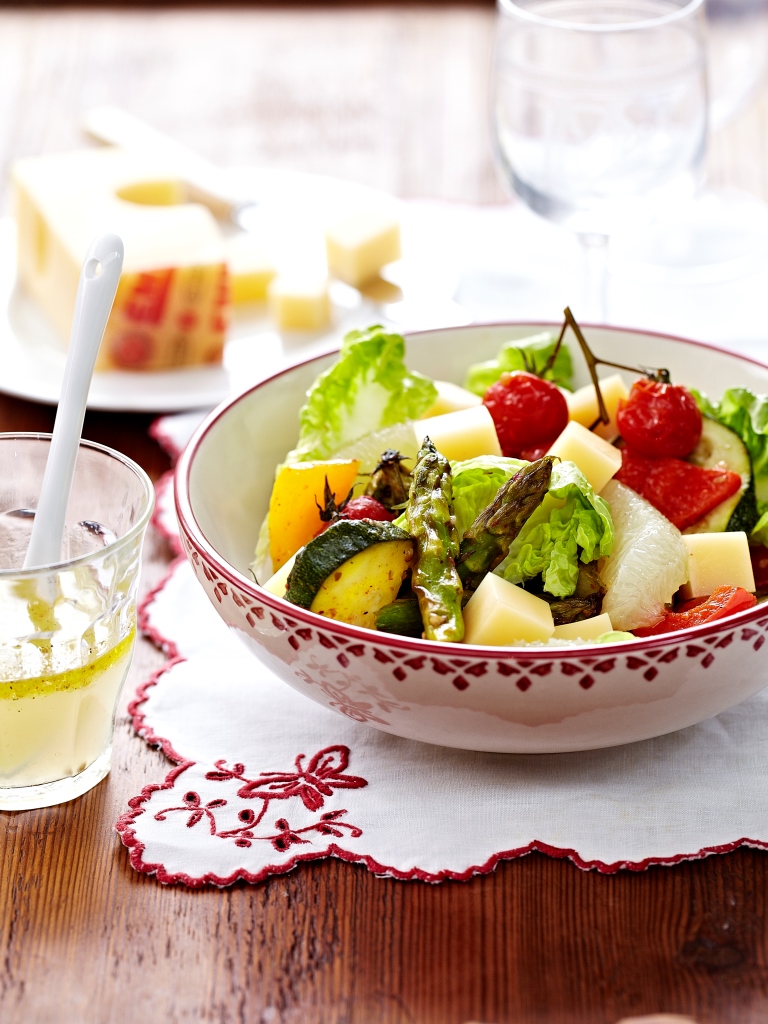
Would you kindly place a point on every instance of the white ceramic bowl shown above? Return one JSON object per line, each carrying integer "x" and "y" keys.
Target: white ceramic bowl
{"x": 477, "y": 698}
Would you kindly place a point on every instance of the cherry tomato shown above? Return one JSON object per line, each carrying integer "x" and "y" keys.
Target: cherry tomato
{"x": 660, "y": 420}
{"x": 366, "y": 507}
{"x": 528, "y": 412}
{"x": 723, "y": 601}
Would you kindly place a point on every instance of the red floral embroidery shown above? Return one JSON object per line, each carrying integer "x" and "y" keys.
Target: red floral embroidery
{"x": 323, "y": 774}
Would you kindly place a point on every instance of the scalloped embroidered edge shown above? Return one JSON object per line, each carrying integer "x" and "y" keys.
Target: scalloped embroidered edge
{"x": 124, "y": 824}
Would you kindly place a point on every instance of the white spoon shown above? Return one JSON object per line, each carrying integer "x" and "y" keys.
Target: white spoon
{"x": 95, "y": 294}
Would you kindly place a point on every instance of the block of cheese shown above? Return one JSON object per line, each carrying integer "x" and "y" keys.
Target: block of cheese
{"x": 278, "y": 584}
{"x": 460, "y": 435}
{"x": 582, "y": 404}
{"x": 717, "y": 560}
{"x": 250, "y": 268}
{"x": 587, "y": 629}
{"x": 300, "y": 302}
{"x": 452, "y": 398}
{"x": 499, "y": 613}
{"x": 360, "y": 244}
{"x": 172, "y": 303}
{"x": 598, "y": 460}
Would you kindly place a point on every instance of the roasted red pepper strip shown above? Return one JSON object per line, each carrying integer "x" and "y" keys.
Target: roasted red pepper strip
{"x": 724, "y": 601}
{"x": 684, "y": 493}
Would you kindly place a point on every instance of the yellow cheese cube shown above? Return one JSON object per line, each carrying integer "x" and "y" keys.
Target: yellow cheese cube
{"x": 582, "y": 404}
{"x": 460, "y": 435}
{"x": 172, "y": 303}
{"x": 361, "y": 244}
{"x": 717, "y": 560}
{"x": 452, "y": 398}
{"x": 278, "y": 584}
{"x": 499, "y": 613}
{"x": 587, "y": 629}
{"x": 250, "y": 269}
{"x": 598, "y": 460}
{"x": 300, "y": 303}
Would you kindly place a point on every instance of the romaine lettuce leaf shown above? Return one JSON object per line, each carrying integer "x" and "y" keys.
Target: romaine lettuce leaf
{"x": 476, "y": 483}
{"x": 368, "y": 387}
{"x": 529, "y": 353}
{"x": 572, "y": 524}
{"x": 747, "y": 414}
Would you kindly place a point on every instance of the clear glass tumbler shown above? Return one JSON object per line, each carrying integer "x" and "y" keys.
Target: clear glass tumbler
{"x": 67, "y": 631}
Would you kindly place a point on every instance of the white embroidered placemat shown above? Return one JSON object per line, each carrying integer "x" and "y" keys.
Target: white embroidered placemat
{"x": 265, "y": 778}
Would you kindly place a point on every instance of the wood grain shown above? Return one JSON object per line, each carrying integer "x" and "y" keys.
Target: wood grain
{"x": 394, "y": 97}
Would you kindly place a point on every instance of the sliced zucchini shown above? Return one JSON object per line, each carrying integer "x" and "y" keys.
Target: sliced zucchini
{"x": 351, "y": 570}
{"x": 719, "y": 444}
{"x": 402, "y": 616}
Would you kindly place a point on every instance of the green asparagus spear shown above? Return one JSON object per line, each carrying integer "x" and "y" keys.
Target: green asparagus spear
{"x": 488, "y": 540}
{"x": 430, "y": 522}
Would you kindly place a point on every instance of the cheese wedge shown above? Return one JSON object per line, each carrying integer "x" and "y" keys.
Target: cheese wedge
{"x": 250, "y": 268}
{"x": 717, "y": 560}
{"x": 172, "y": 303}
{"x": 278, "y": 584}
{"x": 460, "y": 435}
{"x": 499, "y": 613}
{"x": 452, "y": 398}
{"x": 300, "y": 302}
{"x": 598, "y": 460}
{"x": 359, "y": 245}
{"x": 582, "y": 404}
{"x": 587, "y": 629}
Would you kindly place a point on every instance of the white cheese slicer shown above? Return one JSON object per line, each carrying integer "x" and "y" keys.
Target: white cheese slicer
{"x": 96, "y": 290}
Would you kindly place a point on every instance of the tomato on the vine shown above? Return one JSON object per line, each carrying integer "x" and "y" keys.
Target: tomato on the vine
{"x": 660, "y": 420}
{"x": 528, "y": 412}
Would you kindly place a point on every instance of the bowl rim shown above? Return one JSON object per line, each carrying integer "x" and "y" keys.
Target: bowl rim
{"x": 195, "y": 536}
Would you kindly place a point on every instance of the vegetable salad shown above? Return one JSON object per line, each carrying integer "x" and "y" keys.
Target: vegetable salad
{"x": 515, "y": 510}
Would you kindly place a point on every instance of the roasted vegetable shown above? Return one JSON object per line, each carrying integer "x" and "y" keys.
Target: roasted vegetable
{"x": 401, "y": 616}
{"x": 294, "y": 508}
{"x": 586, "y": 602}
{"x": 488, "y": 540}
{"x": 720, "y": 445}
{"x": 391, "y": 481}
{"x": 429, "y": 517}
{"x": 351, "y": 570}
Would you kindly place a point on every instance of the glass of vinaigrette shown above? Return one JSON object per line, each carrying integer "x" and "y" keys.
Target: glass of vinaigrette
{"x": 67, "y": 631}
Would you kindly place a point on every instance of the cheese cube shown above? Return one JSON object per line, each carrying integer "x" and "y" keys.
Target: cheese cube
{"x": 278, "y": 584}
{"x": 598, "y": 460}
{"x": 717, "y": 560}
{"x": 452, "y": 398}
{"x": 582, "y": 404}
{"x": 587, "y": 629}
{"x": 460, "y": 435}
{"x": 172, "y": 303}
{"x": 499, "y": 613}
{"x": 250, "y": 269}
{"x": 358, "y": 246}
{"x": 300, "y": 303}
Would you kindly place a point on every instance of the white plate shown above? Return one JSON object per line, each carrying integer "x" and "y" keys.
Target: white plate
{"x": 32, "y": 356}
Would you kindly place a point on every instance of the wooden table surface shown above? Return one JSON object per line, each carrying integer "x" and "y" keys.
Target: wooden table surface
{"x": 394, "y": 97}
